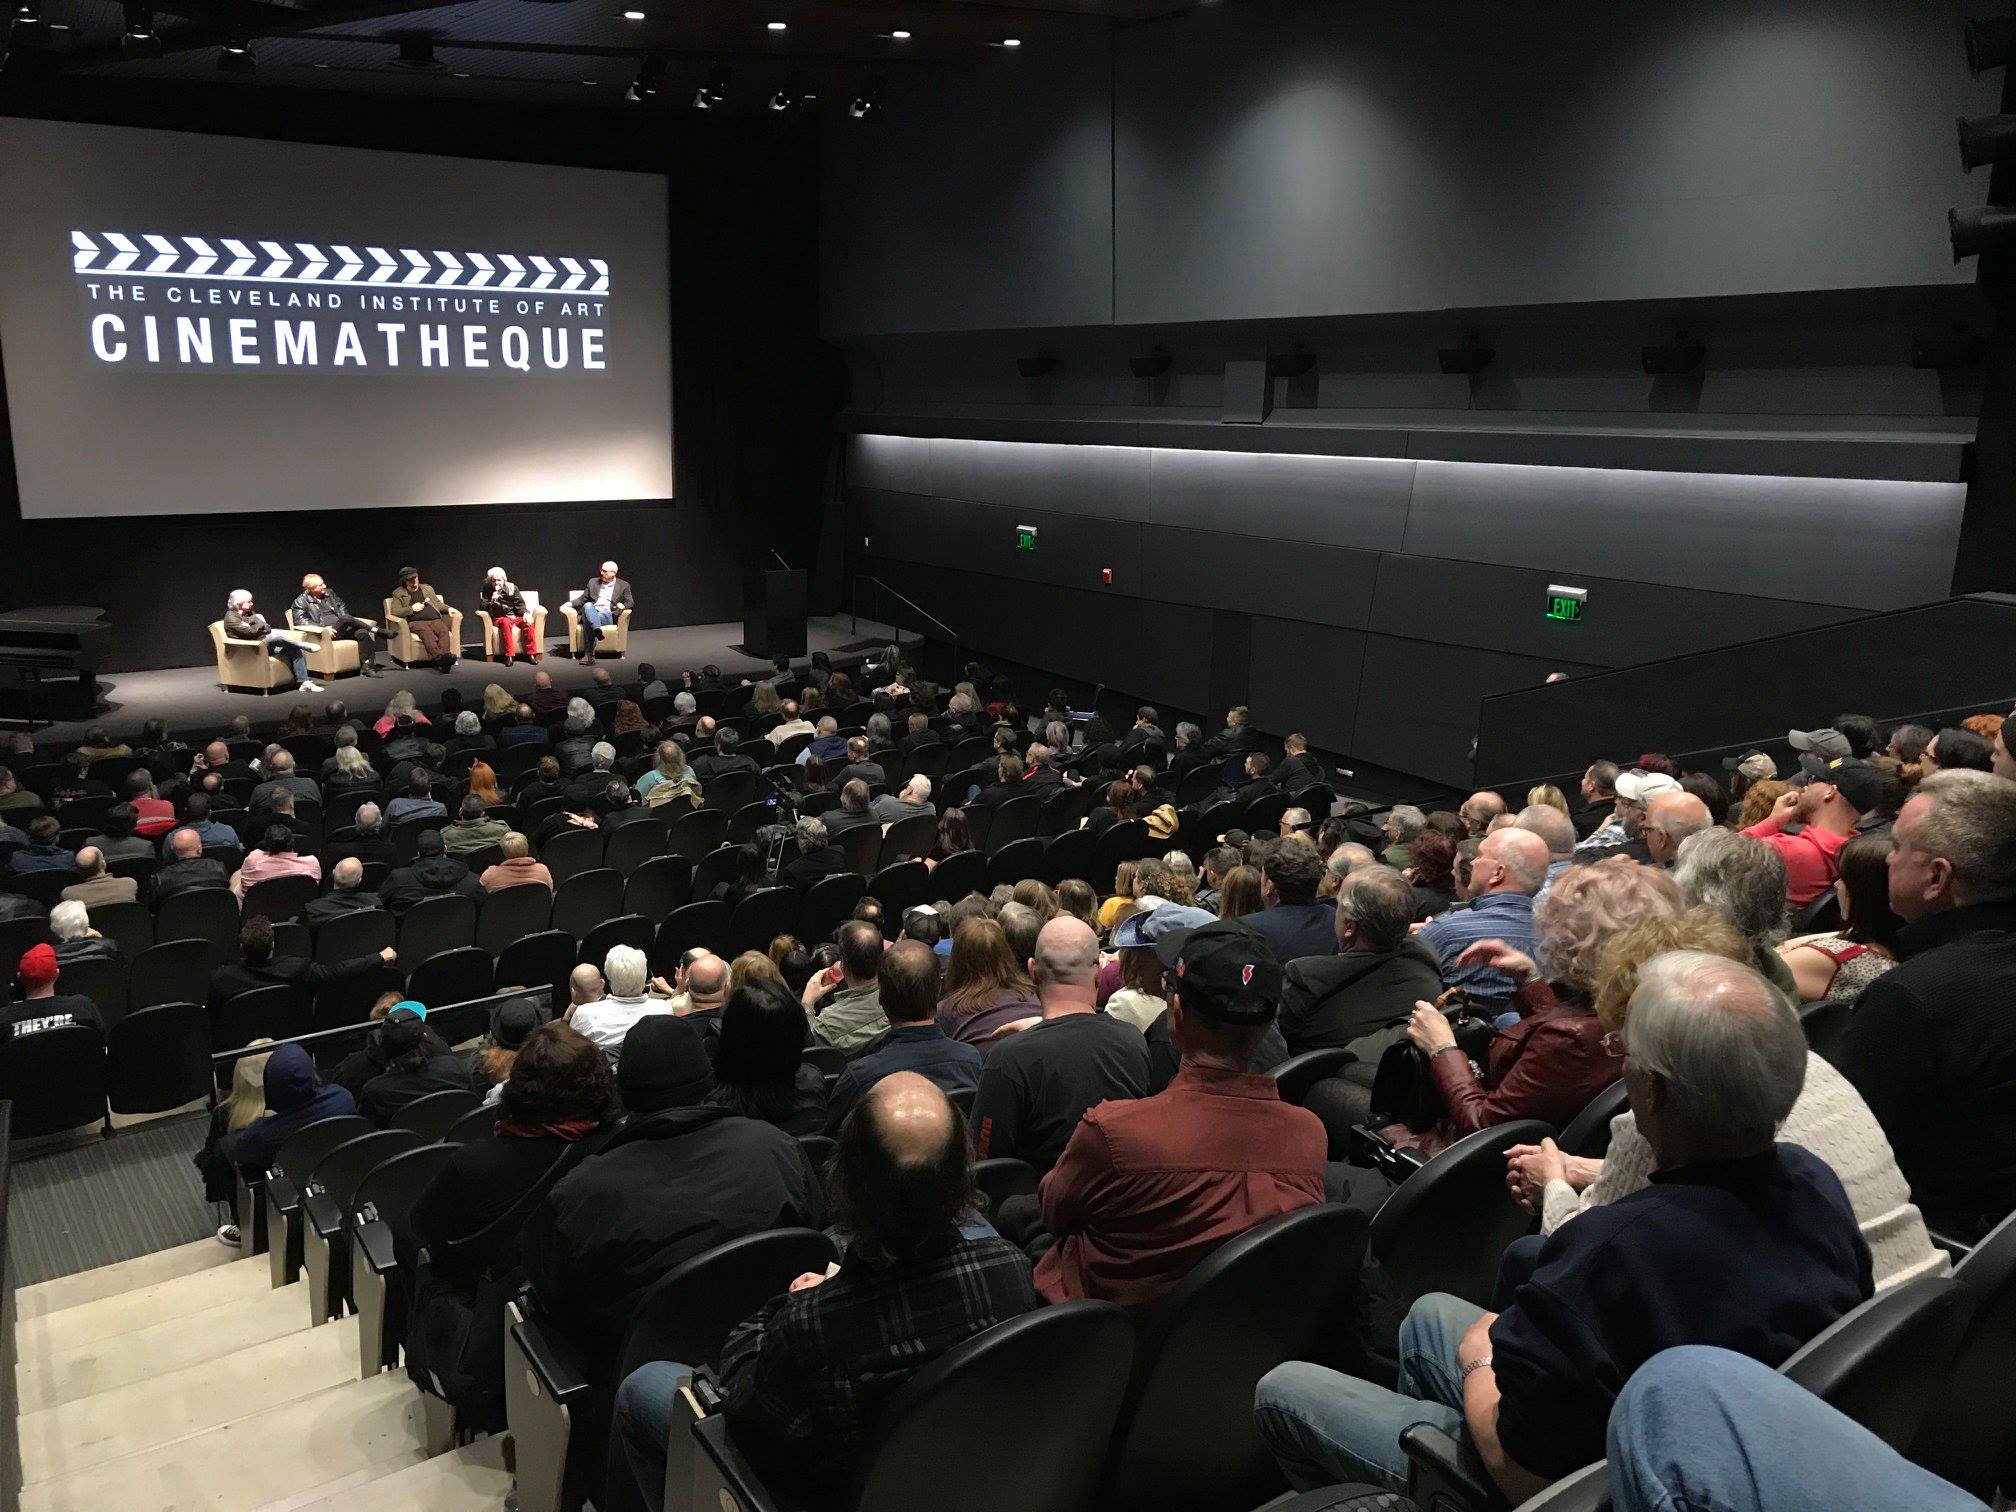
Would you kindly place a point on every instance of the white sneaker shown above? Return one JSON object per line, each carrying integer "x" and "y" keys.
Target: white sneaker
{"x": 311, "y": 687}
{"x": 228, "y": 1234}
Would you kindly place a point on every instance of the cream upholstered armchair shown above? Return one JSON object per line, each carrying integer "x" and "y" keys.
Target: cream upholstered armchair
{"x": 247, "y": 664}
{"x": 404, "y": 646}
{"x": 327, "y": 656}
{"x": 533, "y": 608}
{"x": 615, "y": 638}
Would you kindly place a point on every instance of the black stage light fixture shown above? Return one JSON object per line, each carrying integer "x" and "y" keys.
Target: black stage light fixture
{"x": 1154, "y": 365}
{"x": 796, "y": 94}
{"x": 1469, "y": 359}
{"x": 1990, "y": 44}
{"x": 1986, "y": 140}
{"x": 139, "y": 28}
{"x": 713, "y": 91}
{"x": 1290, "y": 364}
{"x": 1039, "y": 366}
{"x": 1990, "y": 228}
{"x": 867, "y": 105}
{"x": 416, "y": 53}
{"x": 237, "y": 56}
{"x": 650, "y": 80}
{"x": 1957, "y": 348}
{"x": 1676, "y": 356}
{"x": 27, "y": 29}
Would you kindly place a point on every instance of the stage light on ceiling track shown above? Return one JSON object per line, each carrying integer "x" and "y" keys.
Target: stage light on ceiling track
{"x": 775, "y": 26}
{"x": 1986, "y": 140}
{"x": 1991, "y": 228}
{"x": 713, "y": 90}
{"x": 237, "y": 56}
{"x": 650, "y": 81}
{"x": 796, "y": 94}
{"x": 1989, "y": 44}
{"x": 867, "y": 105}
{"x": 899, "y": 36}
{"x": 1011, "y": 42}
{"x": 139, "y": 28}
{"x": 633, "y": 15}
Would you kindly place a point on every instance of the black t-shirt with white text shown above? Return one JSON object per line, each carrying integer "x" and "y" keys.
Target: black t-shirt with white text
{"x": 59, "y": 1012}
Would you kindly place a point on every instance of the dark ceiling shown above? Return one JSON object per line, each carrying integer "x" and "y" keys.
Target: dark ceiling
{"x": 574, "y": 50}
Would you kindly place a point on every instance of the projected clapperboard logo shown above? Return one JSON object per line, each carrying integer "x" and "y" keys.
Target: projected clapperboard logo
{"x": 229, "y": 304}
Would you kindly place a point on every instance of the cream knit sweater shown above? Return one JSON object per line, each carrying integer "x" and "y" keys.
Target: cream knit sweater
{"x": 1831, "y": 1120}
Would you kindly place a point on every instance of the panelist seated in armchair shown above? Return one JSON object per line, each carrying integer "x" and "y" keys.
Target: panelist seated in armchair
{"x": 428, "y": 624}
{"x": 322, "y": 614}
{"x": 603, "y": 604}
{"x": 516, "y": 621}
{"x": 244, "y": 622}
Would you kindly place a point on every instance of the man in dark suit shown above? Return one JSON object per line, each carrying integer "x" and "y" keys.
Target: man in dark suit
{"x": 259, "y": 967}
{"x": 1295, "y": 922}
{"x": 188, "y": 868}
{"x": 605, "y": 598}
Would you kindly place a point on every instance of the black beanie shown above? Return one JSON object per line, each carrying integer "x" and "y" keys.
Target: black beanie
{"x": 663, "y": 1065}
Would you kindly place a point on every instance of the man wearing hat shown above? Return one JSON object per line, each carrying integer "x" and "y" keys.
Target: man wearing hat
{"x": 417, "y": 1062}
{"x": 1148, "y": 1188}
{"x": 1835, "y": 793}
{"x": 40, "y": 1007}
{"x": 1751, "y": 766}
{"x": 1635, "y": 789}
{"x": 680, "y": 1178}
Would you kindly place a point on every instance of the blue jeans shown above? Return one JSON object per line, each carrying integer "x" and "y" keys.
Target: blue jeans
{"x": 594, "y": 620}
{"x": 291, "y": 652}
{"x": 644, "y": 1405}
{"x": 1325, "y": 1427}
{"x": 1705, "y": 1430}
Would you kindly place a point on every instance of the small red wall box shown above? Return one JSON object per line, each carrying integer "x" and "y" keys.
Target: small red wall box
{"x": 1106, "y": 576}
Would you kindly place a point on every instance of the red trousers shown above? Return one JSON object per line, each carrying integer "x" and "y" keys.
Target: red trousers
{"x": 514, "y": 634}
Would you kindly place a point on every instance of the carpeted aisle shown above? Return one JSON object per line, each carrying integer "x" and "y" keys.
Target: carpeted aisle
{"x": 112, "y": 1199}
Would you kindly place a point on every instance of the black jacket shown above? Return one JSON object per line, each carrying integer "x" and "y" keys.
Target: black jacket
{"x": 186, "y": 876}
{"x": 481, "y": 1182}
{"x": 1297, "y": 930}
{"x": 666, "y": 1188}
{"x": 1296, "y": 772}
{"x": 334, "y": 905}
{"x": 376, "y": 846}
{"x": 807, "y": 867}
{"x": 389, "y": 1091}
{"x": 227, "y": 981}
{"x": 711, "y": 764}
{"x": 1333, "y": 1000}
{"x": 428, "y": 877}
{"x": 1929, "y": 1049}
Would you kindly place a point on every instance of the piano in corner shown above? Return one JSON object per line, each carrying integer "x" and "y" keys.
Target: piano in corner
{"x": 49, "y": 661}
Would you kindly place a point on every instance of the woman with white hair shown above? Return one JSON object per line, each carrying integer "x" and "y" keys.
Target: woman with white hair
{"x": 75, "y": 939}
{"x": 243, "y": 622}
{"x": 501, "y": 600}
{"x": 400, "y": 704}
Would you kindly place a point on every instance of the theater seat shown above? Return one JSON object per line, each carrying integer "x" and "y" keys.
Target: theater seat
{"x": 329, "y": 657}
{"x": 615, "y": 638}
{"x": 404, "y": 646}
{"x": 245, "y": 665}
{"x": 534, "y": 608}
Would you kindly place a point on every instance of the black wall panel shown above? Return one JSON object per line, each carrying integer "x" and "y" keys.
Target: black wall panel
{"x": 1305, "y": 677}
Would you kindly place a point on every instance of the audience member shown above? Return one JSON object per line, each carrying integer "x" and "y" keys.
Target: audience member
{"x": 75, "y": 940}
{"x": 295, "y": 1098}
{"x": 43, "y": 853}
{"x": 608, "y": 1020}
{"x": 1836, "y": 965}
{"x": 473, "y": 830}
{"x": 1669, "y": 819}
{"x": 760, "y": 1069}
{"x": 1622, "y": 833}
{"x": 259, "y": 966}
{"x": 907, "y": 984}
{"x": 40, "y": 1007}
{"x": 275, "y": 856}
{"x": 1362, "y": 995}
{"x": 986, "y": 986}
{"x": 847, "y": 1014}
{"x": 1295, "y": 923}
{"x": 188, "y": 868}
{"x": 97, "y": 885}
{"x": 1509, "y": 868}
{"x": 346, "y": 895}
{"x": 417, "y": 1063}
{"x": 1743, "y": 879}
{"x": 512, "y": 1024}
{"x": 431, "y": 874}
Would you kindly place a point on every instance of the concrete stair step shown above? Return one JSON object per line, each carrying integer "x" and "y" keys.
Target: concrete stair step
{"x": 142, "y": 1307}
{"x": 163, "y": 1406}
{"x": 50, "y": 1371}
{"x": 128, "y": 1275}
{"x": 471, "y": 1479}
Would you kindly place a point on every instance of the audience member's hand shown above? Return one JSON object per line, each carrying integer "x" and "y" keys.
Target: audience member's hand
{"x": 1499, "y": 956}
{"x": 807, "y": 1281}
{"x": 1429, "y": 1029}
{"x": 1786, "y": 809}
{"x": 1528, "y": 1169}
{"x": 1016, "y": 1027}
{"x": 662, "y": 988}
{"x": 388, "y": 955}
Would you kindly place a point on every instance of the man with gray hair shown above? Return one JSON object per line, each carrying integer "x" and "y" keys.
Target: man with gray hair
{"x": 1038, "y": 1083}
{"x": 1929, "y": 1046}
{"x": 1670, "y": 819}
{"x": 1508, "y": 870}
{"x": 1403, "y": 822}
{"x": 813, "y": 857}
{"x": 1478, "y": 810}
{"x": 1741, "y": 1242}
{"x": 1347, "y": 858}
{"x": 244, "y": 622}
{"x": 1379, "y": 972}
{"x": 607, "y": 1021}
{"x": 914, "y": 800}
{"x": 1558, "y": 830}
{"x": 1743, "y": 879}
{"x": 853, "y": 811}
{"x": 75, "y": 939}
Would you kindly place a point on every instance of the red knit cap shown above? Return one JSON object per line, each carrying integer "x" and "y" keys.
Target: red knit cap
{"x": 38, "y": 966}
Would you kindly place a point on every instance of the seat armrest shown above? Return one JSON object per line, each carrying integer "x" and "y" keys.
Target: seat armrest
{"x": 322, "y": 1213}
{"x": 281, "y": 1192}
{"x": 1446, "y": 1476}
{"x": 738, "y": 1476}
{"x": 558, "y": 1367}
{"x": 373, "y": 1240}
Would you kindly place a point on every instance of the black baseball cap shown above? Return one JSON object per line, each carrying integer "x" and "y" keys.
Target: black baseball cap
{"x": 1860, "y": 783}
{"x": 1224, "y": 971}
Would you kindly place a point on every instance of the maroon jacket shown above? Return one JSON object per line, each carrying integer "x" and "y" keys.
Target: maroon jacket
{"x": 1149, "y": 1187}
{"x": 1547, "y": 1066}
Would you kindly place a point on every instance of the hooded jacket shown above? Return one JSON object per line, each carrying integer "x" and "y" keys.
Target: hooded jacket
{"x": 427, "y": 877}
{"x": 295, "y": 1098}
{"x": 1334, "y": 1000}
{"x": 669, "y": 1186}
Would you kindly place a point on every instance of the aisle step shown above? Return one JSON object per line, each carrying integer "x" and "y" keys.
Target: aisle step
{"x": 164, "y": 1406}
{"x": 128, "y": 1275}
{"x": 48, "y": 1373}
{"x": 472, "y": 1479}
{"x": 258, "y": 1459}
{"x": 142, "y": 1307}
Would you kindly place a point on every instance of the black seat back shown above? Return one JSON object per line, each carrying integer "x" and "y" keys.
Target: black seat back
{"x": 624, "y": 929}
{"x": 1588, "y": 1132}
{"x": 343, "y": 1167}
{"x": 586, "y": 899}
{"x": 175, "y": 971}
{"x": 280, "y": 897}
{"x": 1074, "y": 853}
{"x": 1011, "y": 863}
{"x": 1013, "y": 820}
{"x": 452, "y": 976}
{"x": 1883, "y": 1363}
{"x": 1017, "y": 1418}
{"x": 277, "y": 1012}
{"x": 102, "y": 980}
{"x": 572, "y": 852}
{"x": 350, "y": 935}
{"x": 1969, "y": 1436}
{"x": 658, "y": 885}
{"x": 1825, "y": 1024}
{"x": 309, "y": 1143}
{"x": 511, "y": 913}
{"x": 1447, "y": 1224}
{"x": 432, "y": 1116}
{"x": 128, "y": 925}
{"x": 908, "y": 838}
{"x": 539, "y": 960}
{"x": 1279, "y": 1292}
{"x": 55, "y": 1078}
{"x": 900, "y": 887}
{"x": 760, "y": 918}
{"x": 1295, "y": 1076}
{"x": 698, "y": 831}
{"x": 158, "y": 1058}
{"x": 829, "y": 903}
{"x": 389, "y": 1190}
{"x": 688, "y": 1315}
{"x": 704, "y": 923}
{"x": 478, "y": 1123}
{"x": 959, "y": 874}
{"x": 432, "y": 925}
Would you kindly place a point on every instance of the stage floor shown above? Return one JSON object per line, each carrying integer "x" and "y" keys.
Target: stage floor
{"x": 189, "y": 698}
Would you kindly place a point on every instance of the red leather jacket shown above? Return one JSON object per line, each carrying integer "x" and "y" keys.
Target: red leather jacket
{"x": 1547, "y": 1066}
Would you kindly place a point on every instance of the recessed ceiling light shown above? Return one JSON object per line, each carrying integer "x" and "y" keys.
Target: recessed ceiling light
{"x": 633, "y": 15}
{"x": 1011, "y": 41}
{"x": 899, "y": 36}
{"x": 774, "y": 25}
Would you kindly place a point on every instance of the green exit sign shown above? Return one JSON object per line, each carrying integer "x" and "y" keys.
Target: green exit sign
{"x": 1025, "y": 537}
{"x": 1566, "y": 604}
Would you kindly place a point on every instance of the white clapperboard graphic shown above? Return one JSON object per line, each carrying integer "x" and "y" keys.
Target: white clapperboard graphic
{"x": 236, "y": 305}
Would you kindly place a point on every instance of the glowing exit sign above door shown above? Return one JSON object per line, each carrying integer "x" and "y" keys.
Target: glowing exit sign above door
{"x": 1565, "y": 603}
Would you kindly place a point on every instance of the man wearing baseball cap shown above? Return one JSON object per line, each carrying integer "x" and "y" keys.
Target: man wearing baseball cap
{"x": 1836, "y": 793}
{"x": 41, "y": 1008}
{"x": 1635, "y": 789}
{"x": 1148, "y": 1188}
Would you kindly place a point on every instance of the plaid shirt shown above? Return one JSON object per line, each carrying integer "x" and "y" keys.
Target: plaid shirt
{"x": 808, "y": 1376}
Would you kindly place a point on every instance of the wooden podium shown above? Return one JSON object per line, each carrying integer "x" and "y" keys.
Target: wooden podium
{"x": 773, "y": 620}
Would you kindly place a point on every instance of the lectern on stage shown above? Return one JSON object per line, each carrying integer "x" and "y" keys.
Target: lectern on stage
{"x": 773, "y": 623}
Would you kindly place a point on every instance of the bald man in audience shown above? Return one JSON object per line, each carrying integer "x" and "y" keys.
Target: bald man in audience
{"x": 1478, "y": 810}
{"x": 1669, "y": 819}
{"x": 1558, "y": 830}
{"x": 188, "y": 868}
{"x": 1510, "y": 866}
{"x": 346, "y": 895}
{"x": 99, "y": 885}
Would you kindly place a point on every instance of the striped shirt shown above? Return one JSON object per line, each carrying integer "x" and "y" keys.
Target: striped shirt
{"x": 1506, "y": 916}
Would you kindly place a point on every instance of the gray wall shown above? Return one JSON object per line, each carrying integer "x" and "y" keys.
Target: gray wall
{"x": 1294, "y": 158}
{"x": 1370, "y": 601}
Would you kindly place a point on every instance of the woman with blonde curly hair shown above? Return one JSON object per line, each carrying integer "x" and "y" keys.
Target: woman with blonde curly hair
{"x": 1830, "y": 1119}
